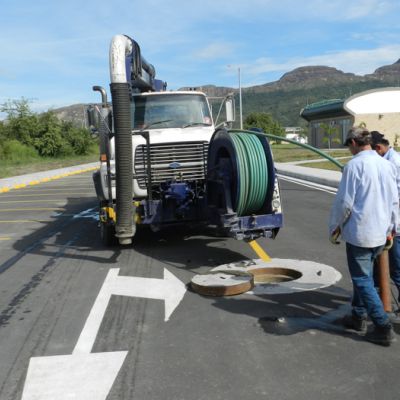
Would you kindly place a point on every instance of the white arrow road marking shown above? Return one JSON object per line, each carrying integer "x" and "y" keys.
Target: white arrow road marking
{"x": 82, "y": 376}
{"x": 170, "y": 289}
{"x": 89, "y": 376}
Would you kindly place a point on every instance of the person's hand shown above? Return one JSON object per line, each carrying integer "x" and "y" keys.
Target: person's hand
{"x": 389, "y": 243}
{"x": 333, "y": 237}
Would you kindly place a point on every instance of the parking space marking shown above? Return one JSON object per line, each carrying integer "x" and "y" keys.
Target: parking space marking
{"x": 48, "y": 189}
{"x": 23, "y": 221}
{"x": 35, "y": 195}
{"x": 22, "y": 185}
{"x": 33, "y": 201}
{"x": 32, "y": 209}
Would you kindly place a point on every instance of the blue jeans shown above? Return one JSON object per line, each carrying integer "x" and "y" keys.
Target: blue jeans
{"x": 366, "y": 300}
{"x": 394, "y": 262}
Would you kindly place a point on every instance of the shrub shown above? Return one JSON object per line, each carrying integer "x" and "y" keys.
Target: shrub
{"x": 49, "y": 140}
{"x": 265, "y": 122}
{"x": 45, "y": 132}
{"x": 13, "y": 150}
{"x": 78, "y": 138}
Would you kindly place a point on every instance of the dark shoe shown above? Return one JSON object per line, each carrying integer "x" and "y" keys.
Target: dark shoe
{"x": 356, "y": 323}
{"x": 395, "y": 320}
{"x": 382, "y": 335}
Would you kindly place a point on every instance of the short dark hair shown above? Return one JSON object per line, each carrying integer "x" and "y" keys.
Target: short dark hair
{"x": 378, "y": 138}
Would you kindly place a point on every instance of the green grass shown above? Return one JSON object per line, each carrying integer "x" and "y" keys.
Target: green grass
{"x": 21, "y": 167}
{"x": 326, "y": 164}
{"x": 329, "y": 165}
{"x": 291, "y": 152}
{"x": 282, "y": 153}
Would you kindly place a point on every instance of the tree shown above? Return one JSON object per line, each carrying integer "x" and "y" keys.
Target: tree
{"x": 21, "y": 122}
{"x": 2, "y": 131}
{"x": 43, "y": 133}
{"x": 16, "y": 108}
{"x": 78, "y": 138}
{"x": 265, "y": 122}
{"x": 49, "y": 139}
{"x": 330, "y": 134}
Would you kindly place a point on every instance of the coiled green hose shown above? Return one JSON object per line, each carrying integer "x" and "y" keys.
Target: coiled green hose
{"x": 252, "y": 171}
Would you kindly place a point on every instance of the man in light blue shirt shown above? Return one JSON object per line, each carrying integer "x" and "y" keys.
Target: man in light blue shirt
{"x": 382, "y": 147}
{"x": 365, "y": 213}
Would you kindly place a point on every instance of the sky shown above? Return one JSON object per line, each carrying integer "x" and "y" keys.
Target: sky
{"x": 52, "y": 53}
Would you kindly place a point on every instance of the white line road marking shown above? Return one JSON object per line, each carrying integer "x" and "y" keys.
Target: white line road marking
{"x": 7, "y": 196}
{"x": 84, "y": 375}
{"x": 317, "y": 186}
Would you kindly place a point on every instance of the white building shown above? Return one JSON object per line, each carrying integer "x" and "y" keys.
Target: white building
{"x": 379, "y": 110}
{"x": 294, "y": 133}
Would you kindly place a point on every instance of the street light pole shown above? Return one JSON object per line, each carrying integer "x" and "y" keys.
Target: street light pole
{"x": 240, "y": 101}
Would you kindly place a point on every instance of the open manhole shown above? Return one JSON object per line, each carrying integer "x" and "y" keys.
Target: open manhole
{"x": 274, "y": 275}
{"x": 281, "y": 276}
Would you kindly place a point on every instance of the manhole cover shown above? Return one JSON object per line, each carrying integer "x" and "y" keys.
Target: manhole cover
{"x": 274, "y": 275}
{"x": 222, "y": 283}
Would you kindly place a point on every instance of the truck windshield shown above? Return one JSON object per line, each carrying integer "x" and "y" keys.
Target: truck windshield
{"x": 170, "y": 111}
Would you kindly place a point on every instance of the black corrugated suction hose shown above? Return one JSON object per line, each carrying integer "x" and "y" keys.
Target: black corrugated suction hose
{"x": 123, "y": 160}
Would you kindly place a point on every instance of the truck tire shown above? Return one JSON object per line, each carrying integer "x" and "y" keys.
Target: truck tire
{"x": 107, "y": 234}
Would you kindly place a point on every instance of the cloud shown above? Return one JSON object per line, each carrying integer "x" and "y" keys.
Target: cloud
{"x": 357, "y": 61}
{"x": 61, "y": 48}
{"x": 215, "y": 50}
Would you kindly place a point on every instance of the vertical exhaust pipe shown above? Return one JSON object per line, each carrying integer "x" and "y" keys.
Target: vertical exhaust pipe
{"x": 121, "y": 46}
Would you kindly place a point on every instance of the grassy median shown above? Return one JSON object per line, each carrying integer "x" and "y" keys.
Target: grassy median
{"x": 291, "y": 153}
{"x": 282, "y": 153}
{"x": 21, "y": 167}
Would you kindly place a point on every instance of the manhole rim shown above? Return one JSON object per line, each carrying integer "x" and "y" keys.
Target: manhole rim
{"x": 314, "y": 275}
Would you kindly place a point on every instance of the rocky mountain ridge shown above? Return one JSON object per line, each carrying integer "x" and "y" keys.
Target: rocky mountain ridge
{"x": 285, "y": 97}
{"x": 315, "y": 76}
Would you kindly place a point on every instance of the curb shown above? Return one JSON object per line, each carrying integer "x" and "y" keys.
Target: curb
{"x": 22, "y": 181}
{"x": 320, "y": 176}
{"x": 315, "y": 175}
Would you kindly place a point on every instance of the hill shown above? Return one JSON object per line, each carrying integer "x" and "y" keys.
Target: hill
{"x": 294, "y": 90}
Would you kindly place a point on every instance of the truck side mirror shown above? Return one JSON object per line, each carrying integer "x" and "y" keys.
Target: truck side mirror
{"x": 93, "y": 118}
{"x": 230, "y": 109}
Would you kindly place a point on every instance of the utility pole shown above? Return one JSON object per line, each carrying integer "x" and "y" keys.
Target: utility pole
{"x": 240, "y": 101}
{"x": 240, "y": 98}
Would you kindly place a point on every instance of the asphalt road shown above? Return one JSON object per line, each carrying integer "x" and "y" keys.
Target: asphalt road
{"x": 288, "y": 346}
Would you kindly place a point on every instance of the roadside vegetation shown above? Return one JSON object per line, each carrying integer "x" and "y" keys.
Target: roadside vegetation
{"x": 327, "y": 164}
{"x": 32, "y": 142}
{"x": 291, "y": 152}
{"x": 265, "y": 122}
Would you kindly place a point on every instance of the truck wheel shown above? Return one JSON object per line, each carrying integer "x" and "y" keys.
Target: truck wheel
{"x": 107, "y": 234}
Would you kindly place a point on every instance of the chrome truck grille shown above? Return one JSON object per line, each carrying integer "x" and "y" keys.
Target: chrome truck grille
{"x": 171, "y": 161}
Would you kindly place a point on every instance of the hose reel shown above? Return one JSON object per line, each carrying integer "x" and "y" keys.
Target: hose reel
{"x": 242, "y": 189}
{"x": 241, "y": 172}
